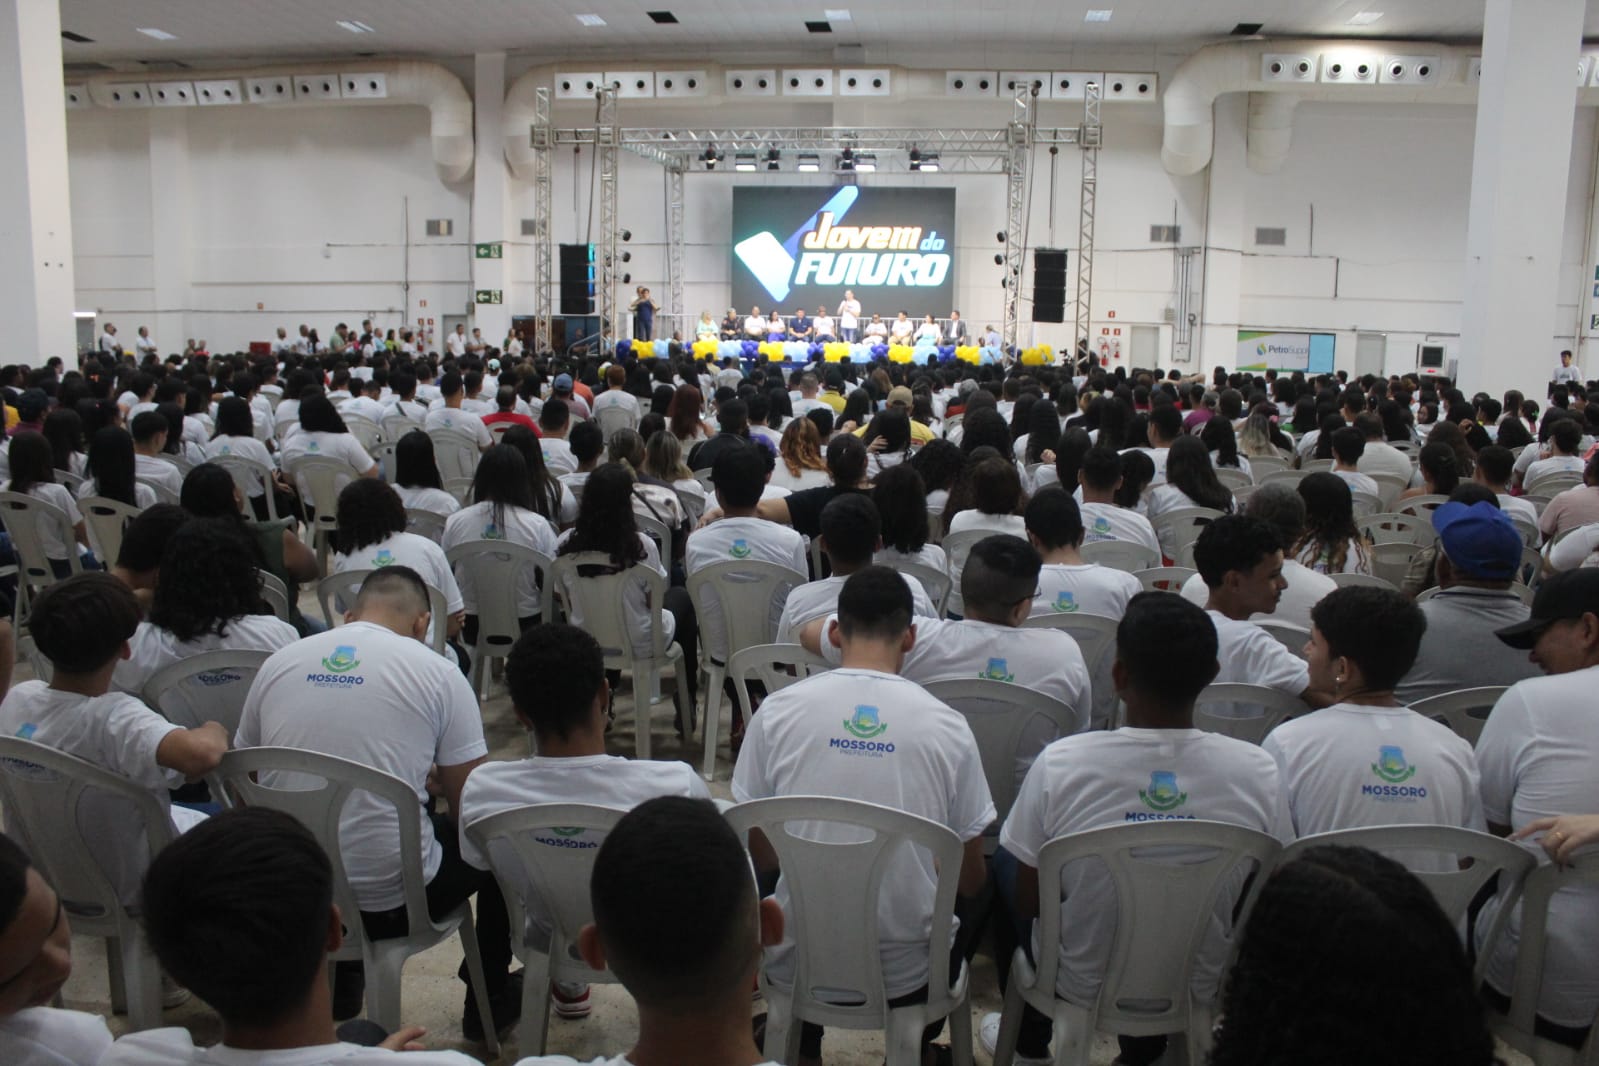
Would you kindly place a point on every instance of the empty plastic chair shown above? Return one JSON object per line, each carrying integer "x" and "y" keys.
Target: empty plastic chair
{"x": 1244, "y": 712}
{"x": 1454, "y": 709}
{"x": 498, "y": 568}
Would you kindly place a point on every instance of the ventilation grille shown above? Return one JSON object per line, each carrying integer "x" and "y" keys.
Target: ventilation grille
{"x": 440, "y": 227}
{"x": 1271, "y": 236}
{"x": 530, "y": 227}
{"x": 1165, "y": 234}
{"x": 85, "y": 68}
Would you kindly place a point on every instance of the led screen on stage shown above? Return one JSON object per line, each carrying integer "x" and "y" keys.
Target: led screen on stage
{"x": 803, "y": 246}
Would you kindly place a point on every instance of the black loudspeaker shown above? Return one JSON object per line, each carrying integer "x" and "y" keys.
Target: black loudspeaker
{"x": 1049, "y": 285}
{"x": 577, "y": 279}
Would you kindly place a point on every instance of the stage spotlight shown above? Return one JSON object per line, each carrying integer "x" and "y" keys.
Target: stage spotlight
{"x": 849, "y": 154}
{"x": 846, "y": 161}
{"x": 1001, "y": 236}
{"x": 929, "y": 162}
{"x": 744, "y": 162}
{"x": 999, "y": 259}
{"x": 809, "y": 163}
{"x": 866, "y": 162}
{"x": 626, "y": 278}
{"x": 627, "y": 235}
{"x": 709, "y": 157}
{"x": 772, "y": 156}
{"x": 627, "y": 257}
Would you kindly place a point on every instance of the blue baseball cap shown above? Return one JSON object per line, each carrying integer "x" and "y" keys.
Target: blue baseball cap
{"x": 563, "y": 383}
{"x": 1479, "y": 540}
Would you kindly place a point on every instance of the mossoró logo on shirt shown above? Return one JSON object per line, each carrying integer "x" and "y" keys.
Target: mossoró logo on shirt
{"x": 1162, "y": 796}
{"x": 865, "y": 725}
{"x": 1393, "y": 768}
{"x": 338, "y": 667}
{"x": 996, "y": 671}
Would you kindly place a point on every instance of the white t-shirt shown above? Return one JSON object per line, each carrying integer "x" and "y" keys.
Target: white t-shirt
{"x": 527, "y": 528}
{"x": 1358, "y": 482}
{"x": 58, "y": 496}
{"x": 817, "y": 599}
{"x": 601, "y": 780}
{"x": 143, "y": 495}
{"x": 461, "y": 422}
{"x": 1305, "y": 589}
{"x": 738, "y": 540}
{"x": 1250, "y": 655}
{"x": 634, "y": 595}
{"x": 45, "y": 1036}
{"x": 365, "y": 693}
{"x": 849, "y": 314}
{"x": 154, "y": 649}
{"x": 930, "y": 555}
{"x": 969, "y": 519}
{"x": 1100, "y": 779}
{"x": 617, "y": 398}
{"x": 159, "y": 472}
{"x": 423, "y": 498}
{"x": 1044, "y": 660}
{"x": 244, "y": 448}
{"x": 1555, "y": 464}
{"x": 1516, "y": 507}
{"x": 1381, "y": 457}
{"x": 1158, "y": 457}
{"x": 1106, "y": 521}
{"x": 456, "y": 343}
{"x": 176, "y": 1047}
{"x": 115, "y": 732}
{"x": 1086, "y": 587}
{"x": 1537, "y": 755}
{"x": 406, "y": 549}
{"x": 875, "y": 737}
{"x": 558, "y": 455}
{"x": 1349, "y": 766}
{"x": 341, "y": 446}
{"x": 562, "y": 1060}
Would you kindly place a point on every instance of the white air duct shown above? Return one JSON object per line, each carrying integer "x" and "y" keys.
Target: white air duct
{"x": 517, "y": 121}
{"x": 402, "y": 82}
{"x": 1340, "y": 70}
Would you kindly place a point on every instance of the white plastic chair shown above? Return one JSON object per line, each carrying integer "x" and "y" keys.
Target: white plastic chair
{"x": 105, "y": 520}
{"x": 1553, "y": 485}
{"x": 1261, "y": 465}
{"x": 693, "y": 506}
{"x": 275, "y": 594}
{"x": 559, "y": 878}
{"x": 1291, "y": 636}
{"x": 314, "y": 788}
{"x": 382, "y": 453}
{"x": 42, "y": 789}
{"x": 1164, "y": 578}
{"x": 1178, "y": 529}
{"x": 1285, "y": 476}
{"x": 323, "y": 477}
{"x": 704, "y": 478}
{"x": 1275, "y": 707}
{"x": 777, "y": 666}
{"x": 454, "y": 452}
{"x": 208, "y": 687}
{"x": 834, "y": 875}
{"x": 1120, "y": 555}
{"x": 1389, "y": 486}
{"x": 72, "y": 481}
{"x": 1389, "y": 527}
{"x": 343, "y": 587}
{"x": 245, "y": 471}
{"x": 1454, "y": 709}
{"x": 601, "y": 602}
{"x": 1518, "y": 1027}
{"x": 1528, "y": 530}
{"x": 497, "y": 567}
{"x": 395, "y": 426}
{"x": 23, "y": 516}
{"x": 1312, "y": 466}
{"x": 1164, "y": 911}
{"x": 935, "y": 582}
{"x": 1422, "y": 506}
{"x": 429, "y": 524}
{"x": 613, "y": 419}
{"x": 1391, "y": 561}
{"x": 1453, "y": 885}
{"x": 1345, "y": 581}
{"x": 749, "y": 596}
{"x": 163, "y": 494}
{"x": 658, "y": 531}
{"x": 1011, "y": 724}
{"x": 1364, "y": 503}
{"x": 460, "y": 488}
{"x": 364, "y": 430}
{"x": 1096, "y": 639}
{"x": 1234, "y": 478}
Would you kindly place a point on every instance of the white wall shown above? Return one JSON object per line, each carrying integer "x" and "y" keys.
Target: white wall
{"x": 301, "y": 211}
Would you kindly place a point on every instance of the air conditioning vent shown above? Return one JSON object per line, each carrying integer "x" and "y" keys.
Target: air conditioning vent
{"x": 440, "y": 227}
{"x": 1271, "y": 236}
{"x": 1165, "y": 234}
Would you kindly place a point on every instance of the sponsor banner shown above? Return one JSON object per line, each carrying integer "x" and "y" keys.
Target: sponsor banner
{"x": 1274, "y": 350}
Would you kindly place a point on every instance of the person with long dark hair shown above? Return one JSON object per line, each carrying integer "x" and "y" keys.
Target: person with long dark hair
{"x": 205, "y": 600}
{"x": 372, "y": 535}
{"x": 1190, "y": 482}
{"x": 502, "y": 508}
{"x": 888, "y": 440}
{"x": 63, "y": 428}
{"x": 1222, "y": 442}
{"x": 1439, "y": 470}
{"x": 416, "y": 476}
{"x": 684, "y": 416}
{"x": 323, "y": 433}
{"x": 235, "y": 436}
{"x": 33, "y": 474}
{"x": 551, "y": 497}
{"x": 109, "y": 471}
{"x": 1332, "y": 542}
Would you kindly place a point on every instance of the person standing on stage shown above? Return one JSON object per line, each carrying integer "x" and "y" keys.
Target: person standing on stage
{"x": 643, "y": 308}
{"x": 849, "y": 317}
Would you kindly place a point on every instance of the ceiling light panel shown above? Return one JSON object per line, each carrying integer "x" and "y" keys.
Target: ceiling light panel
{"x": 590, "y": 20}
{"x": 160, "y": 35}
{"x": 353, "y": 26}
{"x": 1364, "y": 18}
{"x": 1097, "y": 15}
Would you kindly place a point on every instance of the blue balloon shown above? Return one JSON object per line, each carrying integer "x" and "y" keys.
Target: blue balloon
{"x": 624, "y": 348}
{"x": 750, "y": 349}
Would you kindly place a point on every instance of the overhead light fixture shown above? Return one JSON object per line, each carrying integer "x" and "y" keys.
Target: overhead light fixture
{"x": 928, "y": 164}
{"x": 662, "y": 18}
{"x": 709, "y": 157}
{"x": 1364, "y": 18}
{"x": 836, "y": 14}
{"x": 591, "y": 20}
{"x": 744, "y": 162}
{"x": 809, "y": 163}
{"x": 866, "y": 161}
{"x": 772, "y": 156}
{"x": 1097, "y": 15}
{"x": 355, "y": 27}
{"x": 160, "y": 35}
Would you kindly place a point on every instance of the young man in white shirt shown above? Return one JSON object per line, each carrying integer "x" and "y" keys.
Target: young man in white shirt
{"x": 1567, "y": 373}
{"x": 555, "y": 419}
{"x": 456, "y": 341}
{"x": 988, "y": 642}
{"x": 690, "y": 976}
{"x": 144, "y": 344}
{"x": 556, "y": 674}
{"x": 369, "y": 691}
{"x": 1156, "y": 768}
{"x": 616, "y": 394}
{"x": 1241, "y": 561}
{"x": 1494, "y": 469}
{"x": 1537, "y": 755}
{"x": 1283, "y": 509}
{"x": 1368, "y": 759}
{"x": 35, "y": 961}
{"x": 453, "y": 416}
{"x": 1098, "y": 479}
{"x": 1165, "y": 426}
{"x": 241, "y": 911}
{"x": 150, "y": 430}
{"x": 808, "y": 400}
{"x": 1380, "y": 457}
{"x": 1348, "y": 445}
{"x": 1565, "y": 441}
{"x": 755, "y": 325}
{"x": 852, "y": 533}
{"x": 739, "y": 477}
{"x": 897, "y": 746}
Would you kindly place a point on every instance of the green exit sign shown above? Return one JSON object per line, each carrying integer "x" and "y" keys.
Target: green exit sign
{"x": 489, "y": 296}
{"x": 494, "y": 250}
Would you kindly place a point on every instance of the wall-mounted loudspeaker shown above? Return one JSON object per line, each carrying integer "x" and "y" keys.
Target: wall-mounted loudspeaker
{"x": 1049, "y": 285}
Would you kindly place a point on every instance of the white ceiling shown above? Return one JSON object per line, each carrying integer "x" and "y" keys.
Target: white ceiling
{"x": 893, "y": 31}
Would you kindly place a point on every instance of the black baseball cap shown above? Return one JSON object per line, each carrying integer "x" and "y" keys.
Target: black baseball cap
{"x": 1571, "y": 594}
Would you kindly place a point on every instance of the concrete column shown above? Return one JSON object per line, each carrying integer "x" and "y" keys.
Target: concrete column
{"x": 35, "y": 202}
{"x": 171, "y": 231}
{"x": 1224, "y": 239}
{"x": 491, "y": 181}
{"x": 1519, "y": 167}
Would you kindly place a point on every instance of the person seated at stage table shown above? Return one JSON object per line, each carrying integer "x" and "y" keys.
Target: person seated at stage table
{"x": 755, "y": 325}
{"x": 876, "y": 331}
{"x": 706, "y": 329}
{"x": 824, "y": 327}
{"x": 732, "y": 328}
{"x": 800, "y": 327}
{"x": 955, "y": 330}
{"x": 775, "y": 329}
{"x": 900, "y": 332}
{"x": 928, "y": 330}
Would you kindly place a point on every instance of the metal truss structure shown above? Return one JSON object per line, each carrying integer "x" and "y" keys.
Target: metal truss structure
{"x": 543, "y": 247}
{"x": 1018, "y": 138}
{"x": 1089, "y": 141}
{"x": 607, "y": 141}
{"x": 676, "y": 312}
